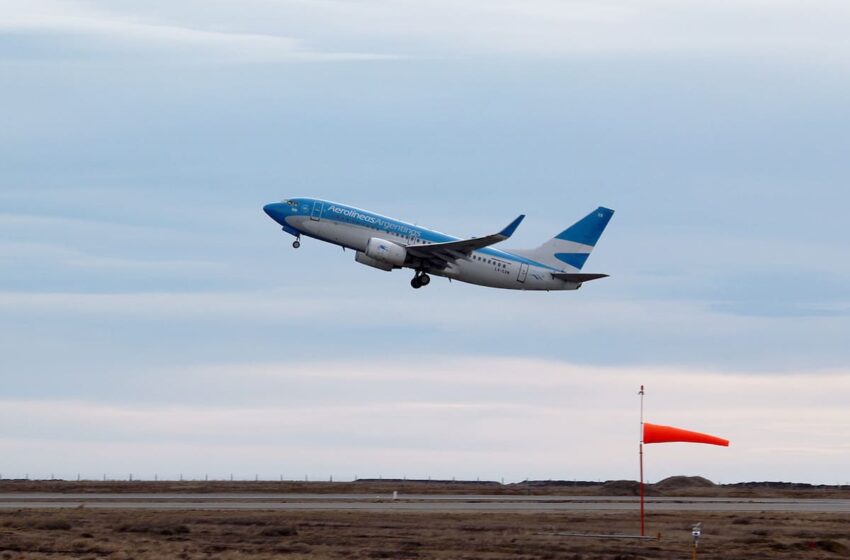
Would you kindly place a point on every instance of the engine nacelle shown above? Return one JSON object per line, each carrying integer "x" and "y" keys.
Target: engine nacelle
{"x": 363, "y": 258}
{"x": 386, "y": 251}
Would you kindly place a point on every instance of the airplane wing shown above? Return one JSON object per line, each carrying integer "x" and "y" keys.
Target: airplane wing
{"x": 578, "y": 277}
{"x": 439, "y": 255}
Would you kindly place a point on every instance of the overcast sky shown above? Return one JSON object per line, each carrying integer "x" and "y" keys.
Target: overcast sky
{"x": 154, "y": 320}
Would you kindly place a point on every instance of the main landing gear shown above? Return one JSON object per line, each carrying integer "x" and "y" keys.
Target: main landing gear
{"x": 296, "y": 243}
{"x": 420, "y": 279}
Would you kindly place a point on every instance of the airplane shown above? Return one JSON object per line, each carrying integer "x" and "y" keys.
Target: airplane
{"x": 388, "y": 244}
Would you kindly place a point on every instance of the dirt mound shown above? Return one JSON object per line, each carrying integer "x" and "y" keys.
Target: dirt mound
{"x": 620, "y": 488}
{"x": 674, "y": 483}
{"x": 778, "y": 485}
{"x": 555, "y": 483}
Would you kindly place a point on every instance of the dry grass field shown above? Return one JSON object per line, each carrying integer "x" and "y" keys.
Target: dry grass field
{"x": 149, "y": 535}
{"x": 125, "y": 534}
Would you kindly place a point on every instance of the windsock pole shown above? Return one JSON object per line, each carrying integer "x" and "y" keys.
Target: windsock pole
{"x": 640, "y": 454}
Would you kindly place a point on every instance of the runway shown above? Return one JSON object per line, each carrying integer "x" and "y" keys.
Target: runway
{"x": 409, "y": 502}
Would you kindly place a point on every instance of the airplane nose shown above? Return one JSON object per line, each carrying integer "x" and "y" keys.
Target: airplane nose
{"x": 275, "y": 211}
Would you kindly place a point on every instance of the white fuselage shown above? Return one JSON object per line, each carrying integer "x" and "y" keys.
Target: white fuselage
{"x": 485, "y": 267}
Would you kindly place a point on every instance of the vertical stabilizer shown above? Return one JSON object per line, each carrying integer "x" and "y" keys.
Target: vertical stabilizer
{"x": 570, "y": 248}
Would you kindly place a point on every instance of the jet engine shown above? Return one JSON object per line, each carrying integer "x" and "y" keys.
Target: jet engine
{"x": 363, "y": 258}
{"x": 386, "y": 251}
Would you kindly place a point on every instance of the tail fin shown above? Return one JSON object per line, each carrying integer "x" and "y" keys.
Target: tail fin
{"x": 572, "y": 246}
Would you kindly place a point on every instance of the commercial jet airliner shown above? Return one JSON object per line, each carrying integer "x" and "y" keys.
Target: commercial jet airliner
{"x": 387, "y": 244}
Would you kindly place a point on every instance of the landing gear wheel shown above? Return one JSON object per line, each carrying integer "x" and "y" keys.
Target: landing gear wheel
{"x": 424, "y": 279}
{"x": 416, "y": 283}
{"x": 296, "y": 244}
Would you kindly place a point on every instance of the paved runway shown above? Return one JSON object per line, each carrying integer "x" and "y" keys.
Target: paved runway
{"x": 410, "y": 502}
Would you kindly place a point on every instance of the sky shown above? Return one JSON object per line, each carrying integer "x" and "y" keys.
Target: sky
{"x": 154, "y": 321}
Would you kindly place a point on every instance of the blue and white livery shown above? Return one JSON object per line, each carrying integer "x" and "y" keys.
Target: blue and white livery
{"x": 386, "y": 244}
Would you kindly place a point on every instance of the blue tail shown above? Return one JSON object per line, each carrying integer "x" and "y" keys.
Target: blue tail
{"x": 572, "y": 246}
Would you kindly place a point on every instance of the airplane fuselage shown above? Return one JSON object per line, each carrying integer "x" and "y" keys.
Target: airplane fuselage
{"x": 353, "y": 228}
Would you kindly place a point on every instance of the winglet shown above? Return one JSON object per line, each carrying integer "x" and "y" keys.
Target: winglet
{"x": 511, "y": 228}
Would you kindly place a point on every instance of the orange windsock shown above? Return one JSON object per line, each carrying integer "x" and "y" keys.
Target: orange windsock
{"x": 655, "y": 433}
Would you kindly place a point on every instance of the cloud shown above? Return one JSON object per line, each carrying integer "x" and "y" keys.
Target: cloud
{"x": 578, "y": 28}
{"x": 476, "y": 416}
{"x": 45, "y": 253}
{"x": 781, "y": 309}
{"x": 162, "y": 259}
{"x": 293, "y": 319}
{"x": 318, "y": 306}
{"x": 263, "y": 31}
{"x": 59, "y": 26}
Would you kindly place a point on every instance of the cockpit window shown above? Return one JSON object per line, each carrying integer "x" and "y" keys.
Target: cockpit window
{"x": 291, "y": 203}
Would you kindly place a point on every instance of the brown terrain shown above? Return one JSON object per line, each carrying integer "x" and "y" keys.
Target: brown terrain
{"x": 685, "y": 486}
{"x": 143, "y": 534}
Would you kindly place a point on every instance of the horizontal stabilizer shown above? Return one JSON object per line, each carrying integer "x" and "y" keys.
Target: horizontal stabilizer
{"x": 578, "y": 277}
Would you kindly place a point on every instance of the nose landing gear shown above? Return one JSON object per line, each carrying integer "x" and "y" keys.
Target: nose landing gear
{"x": 296, "y": 244}
{"x": 420, "y": 279}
